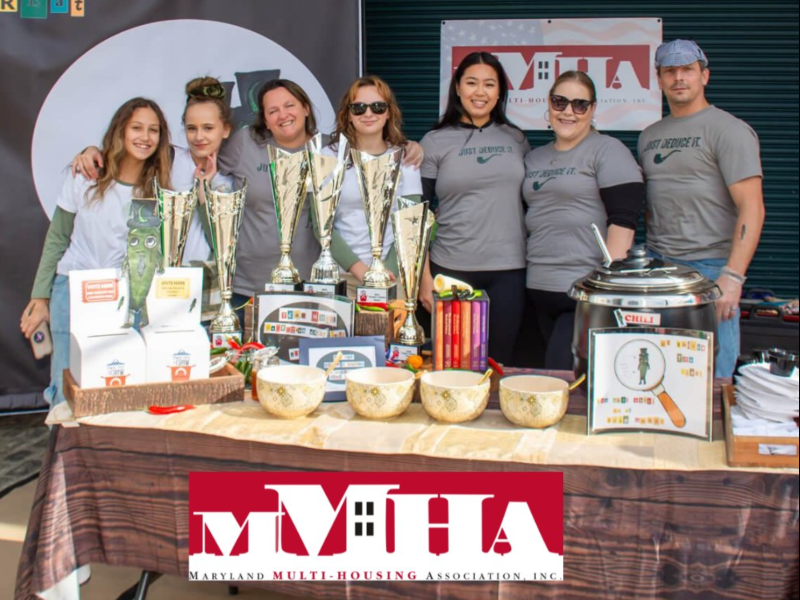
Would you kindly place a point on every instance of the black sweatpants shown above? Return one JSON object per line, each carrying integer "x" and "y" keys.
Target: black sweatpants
{"x": 506, "y": 290}
{"x": 555, "y": 314}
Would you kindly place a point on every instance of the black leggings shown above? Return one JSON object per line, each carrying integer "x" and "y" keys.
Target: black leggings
{"x": 555, "y": 314}
{"x": 506, "y": 290}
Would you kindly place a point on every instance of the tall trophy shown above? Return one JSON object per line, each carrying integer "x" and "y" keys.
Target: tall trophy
{"x": 327, "y": 178}
{"x": 224, "y": 211}
{"x": 412, "y": 224}
{"x": 378, "y": 178}
{"x": 176, "y": 210}
{"x": 289, "y": 174}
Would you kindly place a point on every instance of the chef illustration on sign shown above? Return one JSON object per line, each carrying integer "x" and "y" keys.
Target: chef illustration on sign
{"x": 640, "y": 365}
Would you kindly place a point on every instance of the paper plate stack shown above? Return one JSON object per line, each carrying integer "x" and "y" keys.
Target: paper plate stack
{"x": 765, "y": 401}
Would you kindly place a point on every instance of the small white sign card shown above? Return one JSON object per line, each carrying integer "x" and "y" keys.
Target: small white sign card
{"x": 651, "y": 379}
{"x": 359, "y": 352}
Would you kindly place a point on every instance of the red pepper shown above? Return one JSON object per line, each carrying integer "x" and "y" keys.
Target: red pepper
{"x": 168, "y": 410}
{"x": 252, "y": 346}
{"x": 234, "y": 345}
{"x": 497, "y": 368}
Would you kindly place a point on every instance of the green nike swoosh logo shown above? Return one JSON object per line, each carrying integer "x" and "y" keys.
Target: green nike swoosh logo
{"x": 658, "y": 159}
{"x": 483, "y": 160}
{"x": 537, "y": 185}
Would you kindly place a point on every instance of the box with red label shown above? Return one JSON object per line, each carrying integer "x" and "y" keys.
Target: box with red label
{"x": 102, "y": 351}
{"x": 176, "y": 354}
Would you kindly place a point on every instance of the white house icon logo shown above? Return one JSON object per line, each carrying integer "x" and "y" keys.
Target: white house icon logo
{"x": 351, "y": 526}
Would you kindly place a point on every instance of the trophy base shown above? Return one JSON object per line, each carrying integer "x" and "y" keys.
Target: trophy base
{"x": 328, "y": 290}
{"x": 399, "y": 353}
{"x": 374, "y": 295}
{"x": 283, "y": 287}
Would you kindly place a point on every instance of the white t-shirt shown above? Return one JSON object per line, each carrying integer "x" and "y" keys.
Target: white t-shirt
{"x": 100, "y": 235}
{"x": 351, "y": 222}
{"x": 183, "y": 168}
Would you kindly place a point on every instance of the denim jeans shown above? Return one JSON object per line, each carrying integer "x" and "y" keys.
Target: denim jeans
{"x": 59, "y": 330}
{"x": 728, "y": 330}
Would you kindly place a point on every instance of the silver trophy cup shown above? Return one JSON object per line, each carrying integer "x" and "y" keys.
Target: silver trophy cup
{"x": 224, "y": 211}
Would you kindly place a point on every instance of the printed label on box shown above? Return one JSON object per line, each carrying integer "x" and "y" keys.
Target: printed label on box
{"x": 115, "y": 374}
{"x": 399, "y": 353}
{"x": 106, "y": 290}
{"x": 173, "y": 288}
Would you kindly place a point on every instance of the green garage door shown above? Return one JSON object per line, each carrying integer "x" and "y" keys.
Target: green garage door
{"x": 753, "y": 55}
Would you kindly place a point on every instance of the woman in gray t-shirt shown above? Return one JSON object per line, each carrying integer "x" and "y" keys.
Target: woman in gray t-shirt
{"x": 473, "y": 165}
{"x": 580, "y": 178}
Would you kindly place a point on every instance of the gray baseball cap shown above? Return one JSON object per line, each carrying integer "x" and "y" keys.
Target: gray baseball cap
{"x": 678, "y": 53}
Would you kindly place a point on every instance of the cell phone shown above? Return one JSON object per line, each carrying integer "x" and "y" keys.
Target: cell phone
{"x": 41, "y": 341}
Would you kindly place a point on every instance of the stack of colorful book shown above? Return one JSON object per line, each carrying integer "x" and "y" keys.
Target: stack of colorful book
{"x": 460, "y": 333}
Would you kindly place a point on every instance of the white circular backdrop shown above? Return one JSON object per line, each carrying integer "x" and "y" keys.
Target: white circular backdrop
{"x": 155, "y": 61}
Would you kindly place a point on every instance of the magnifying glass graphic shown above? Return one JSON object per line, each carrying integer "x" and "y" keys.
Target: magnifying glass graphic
{"x": 640, "y": 365}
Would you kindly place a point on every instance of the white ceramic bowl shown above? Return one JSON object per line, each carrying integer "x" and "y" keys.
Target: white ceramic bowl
{"x": 291, "y": 391}
{"x": 380, "y": 392}
{"x": 534, "y": 400}
{"x": 454, "y": 396}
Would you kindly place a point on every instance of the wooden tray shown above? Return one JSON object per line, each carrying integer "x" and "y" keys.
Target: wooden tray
{"x": 226, "y": 385}
{"x": 752, "y": 450}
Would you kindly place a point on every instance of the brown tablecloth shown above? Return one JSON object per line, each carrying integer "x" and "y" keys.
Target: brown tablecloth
{"x": 119, "y": 495}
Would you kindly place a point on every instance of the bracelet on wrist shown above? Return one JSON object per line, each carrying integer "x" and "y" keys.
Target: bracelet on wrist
{"x": 731, "y": 274}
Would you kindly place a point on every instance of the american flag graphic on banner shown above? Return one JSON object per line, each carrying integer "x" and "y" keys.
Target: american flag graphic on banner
{"x": 616, "y": 53}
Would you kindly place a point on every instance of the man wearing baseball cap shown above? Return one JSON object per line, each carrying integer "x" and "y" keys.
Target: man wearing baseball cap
{"x": 705, "y": 206}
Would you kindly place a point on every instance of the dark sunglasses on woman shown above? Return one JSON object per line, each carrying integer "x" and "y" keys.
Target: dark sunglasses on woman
{"x": 579, "y": 106}
{"x": 359, "y": 108}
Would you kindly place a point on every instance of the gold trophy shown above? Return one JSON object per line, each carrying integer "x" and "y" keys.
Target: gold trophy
{"x": 412, "y": 224}
{"x": 176, "y": 210}
{"x": 378, "y": 178}
{"x": 327, "y": 178}
{"x": 224, "y": 211}
{"x": 289, "y": 174}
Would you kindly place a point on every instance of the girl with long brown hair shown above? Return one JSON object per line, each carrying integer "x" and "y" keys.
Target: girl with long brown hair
{"x": 89, "y": 227}
{"x": 370, "y": 119}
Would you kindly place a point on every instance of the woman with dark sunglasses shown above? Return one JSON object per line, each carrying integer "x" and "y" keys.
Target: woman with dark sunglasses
{"x": 370, "y": 119}
{"x": 581, "y": 177}
{"x": 474, "y": 166}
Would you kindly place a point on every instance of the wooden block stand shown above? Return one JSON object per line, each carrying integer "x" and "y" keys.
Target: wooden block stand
{"x": 748, "y": 450}
{"x": 226, "y": 385}
{"x": 375, "y": 323}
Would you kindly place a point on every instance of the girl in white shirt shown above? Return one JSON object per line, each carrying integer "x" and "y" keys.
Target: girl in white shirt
{"x": 370, "y": 119}
{"x": 89, "y": 228}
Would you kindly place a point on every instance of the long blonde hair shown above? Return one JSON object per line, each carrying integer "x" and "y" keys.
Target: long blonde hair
{"x": 159, "y": 165}
{"x": 392, "y": 131}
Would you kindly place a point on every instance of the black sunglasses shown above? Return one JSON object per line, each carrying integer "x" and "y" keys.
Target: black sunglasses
{"x": 359, "y": 108}
{"x": 579, "y": 106}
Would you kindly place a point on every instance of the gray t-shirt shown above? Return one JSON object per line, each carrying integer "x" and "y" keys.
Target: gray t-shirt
{"x": 688, "y": 164}
{"x": 562, "y": 190}
{"x": 478, "y": 174}
{"x": 258, "y": 251}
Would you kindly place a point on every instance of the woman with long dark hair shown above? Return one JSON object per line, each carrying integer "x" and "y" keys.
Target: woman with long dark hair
{"x": 474, "y": 166}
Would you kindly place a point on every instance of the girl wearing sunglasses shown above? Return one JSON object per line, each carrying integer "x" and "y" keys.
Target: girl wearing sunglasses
{"x": 474, "y": 166}
{"x": 370, "y": 119}
{"x": 581, "y": 177}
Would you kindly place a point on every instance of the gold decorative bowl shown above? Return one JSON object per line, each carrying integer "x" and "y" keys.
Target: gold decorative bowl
{"x": 291, "y": 391}
{"x": 534, "y": 400}
{"x": 380, "y": 392}
{"x": 454, "y": 396}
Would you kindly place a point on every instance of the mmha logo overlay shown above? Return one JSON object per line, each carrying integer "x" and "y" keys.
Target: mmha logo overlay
{"x": 372, "y": 526}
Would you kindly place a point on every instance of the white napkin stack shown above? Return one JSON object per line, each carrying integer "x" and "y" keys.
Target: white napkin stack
{"x": 766, "y": 404}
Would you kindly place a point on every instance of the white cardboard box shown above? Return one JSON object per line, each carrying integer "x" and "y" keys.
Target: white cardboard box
{"x": 175, "y": 298}
{"x": 102, "y": 352}
{"x": 176, "y": 354}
